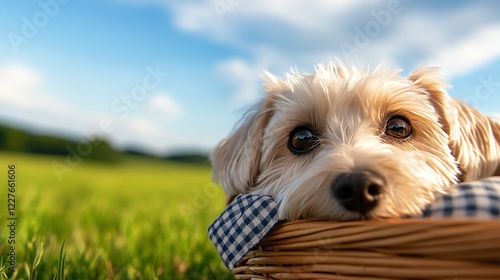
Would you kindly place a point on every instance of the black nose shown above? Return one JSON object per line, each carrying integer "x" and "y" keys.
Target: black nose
{"x": 358, "y": 191}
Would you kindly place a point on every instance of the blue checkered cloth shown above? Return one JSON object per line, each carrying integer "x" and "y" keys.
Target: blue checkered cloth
{"x": 242, "y": 225}
{"x": 478, "y": 199}
{"x": 250, "y": 217}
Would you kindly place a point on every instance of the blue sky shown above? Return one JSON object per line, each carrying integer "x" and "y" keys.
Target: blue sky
{"x": 69, "y": 67}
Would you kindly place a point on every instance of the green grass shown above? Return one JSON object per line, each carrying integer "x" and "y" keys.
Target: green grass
{"x": 139, "y": 219}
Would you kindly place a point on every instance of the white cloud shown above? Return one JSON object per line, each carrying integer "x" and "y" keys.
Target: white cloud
{"x": 242, "y": 77}
{"x": 139, "y": 132}
{"x": 149, "y": 127}
{"x": 278, "y": 21}
{"x": 164, "y": 105}
{"x": 470, "y": 52}
{"x": 24, "y": 97}
{"x": 151, "y": 120}
{"x": 19, "y": 85}
{"x": 152, "y": 136}
{"x": 204, "y": 15}
{"x": 141, "y": 126}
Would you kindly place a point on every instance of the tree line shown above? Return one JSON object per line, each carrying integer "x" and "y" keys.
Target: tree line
{"x": 16, "y": 140}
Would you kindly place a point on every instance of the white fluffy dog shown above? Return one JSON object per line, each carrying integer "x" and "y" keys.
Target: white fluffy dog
{"x": 349, "y": 144}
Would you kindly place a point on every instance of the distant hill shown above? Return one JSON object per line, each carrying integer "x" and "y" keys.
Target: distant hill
{"x": 190, "y": 157}
{"x": 193, "y": 158}
{"x": 136, "y": 152}
{"x": 12, "y": 139}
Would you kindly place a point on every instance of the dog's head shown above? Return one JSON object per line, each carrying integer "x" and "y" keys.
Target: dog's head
{"x": 343, "y": 143}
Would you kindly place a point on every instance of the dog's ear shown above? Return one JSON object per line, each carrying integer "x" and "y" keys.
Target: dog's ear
{"x": 430, "y": 80}
{"x": 235, "y": 161}
{"x": 471, "y": 134}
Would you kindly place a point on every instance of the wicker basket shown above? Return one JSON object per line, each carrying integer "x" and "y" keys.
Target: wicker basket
{"x": 387, "y": 249}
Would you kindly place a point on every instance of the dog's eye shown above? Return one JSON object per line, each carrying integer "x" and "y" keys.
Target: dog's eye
{"x": 302, "y": 140}
{"x": 398, "y": 128}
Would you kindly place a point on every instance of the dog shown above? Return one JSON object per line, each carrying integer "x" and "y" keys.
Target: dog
{"x": 349, "y": 144}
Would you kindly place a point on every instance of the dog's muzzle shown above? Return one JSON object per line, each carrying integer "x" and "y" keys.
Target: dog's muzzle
{"x": 358, "y": 191}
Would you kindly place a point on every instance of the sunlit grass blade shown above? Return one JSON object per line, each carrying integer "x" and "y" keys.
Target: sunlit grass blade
{"x": 60, "y": 265}
{"x": 2, "y": 271}
{"x": 38, "y": 258}
{"x": 39, "y": 255}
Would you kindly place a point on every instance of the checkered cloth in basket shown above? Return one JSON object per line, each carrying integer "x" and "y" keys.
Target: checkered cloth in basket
{"x": 250, "y": 217}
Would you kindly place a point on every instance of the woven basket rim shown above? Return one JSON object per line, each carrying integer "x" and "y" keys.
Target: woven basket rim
{"x": 424, "y": 248}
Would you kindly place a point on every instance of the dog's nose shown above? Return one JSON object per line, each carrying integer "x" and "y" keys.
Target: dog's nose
{"x": 358, "y": 191}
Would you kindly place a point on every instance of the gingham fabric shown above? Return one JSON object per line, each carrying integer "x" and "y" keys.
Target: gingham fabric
{"x": 478, "y": 199}
{"x": 242, "y": 225}
{"x": 250, "y": 217}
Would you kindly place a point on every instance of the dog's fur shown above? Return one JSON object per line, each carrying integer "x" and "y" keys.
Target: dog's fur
{"x": 349, "y": 108}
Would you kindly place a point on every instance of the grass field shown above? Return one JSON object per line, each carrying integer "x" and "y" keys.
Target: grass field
{"x": 138, "y": 219}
